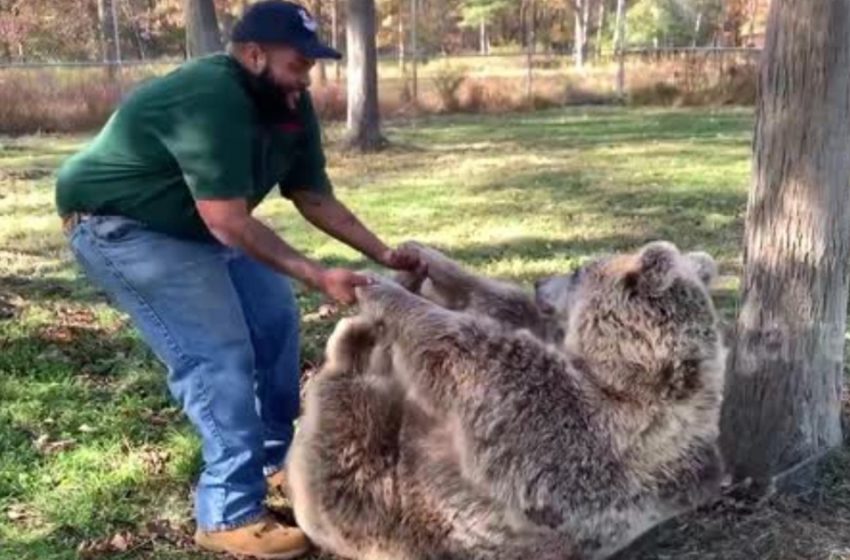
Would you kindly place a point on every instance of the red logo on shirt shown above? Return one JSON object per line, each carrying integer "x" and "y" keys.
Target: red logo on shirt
{"x": 290, "y": 126}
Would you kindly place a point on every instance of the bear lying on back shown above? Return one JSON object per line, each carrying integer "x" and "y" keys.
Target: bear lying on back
{"x": 457, "y": 417}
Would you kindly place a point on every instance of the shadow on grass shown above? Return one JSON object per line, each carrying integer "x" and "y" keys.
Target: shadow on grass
{"x": 36, "y": 289}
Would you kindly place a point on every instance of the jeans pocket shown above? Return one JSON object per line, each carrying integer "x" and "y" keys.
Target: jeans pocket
{"x": 113, "y": 228}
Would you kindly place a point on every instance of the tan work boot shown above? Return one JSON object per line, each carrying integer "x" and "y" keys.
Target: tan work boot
{"x": 277, "y": 483}
{"x": 266, "y": 539}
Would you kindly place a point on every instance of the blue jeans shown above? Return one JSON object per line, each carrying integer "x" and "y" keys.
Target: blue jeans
{"x": 226, "y": 327}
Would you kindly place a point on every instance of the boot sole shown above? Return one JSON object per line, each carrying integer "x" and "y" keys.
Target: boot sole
{"x": 289, "y": 555}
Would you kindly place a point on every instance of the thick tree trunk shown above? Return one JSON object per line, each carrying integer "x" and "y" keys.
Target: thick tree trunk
{"x": 202, "y": 34}
{"x": 364, "y": 122}
{"x": 784, "y": 388}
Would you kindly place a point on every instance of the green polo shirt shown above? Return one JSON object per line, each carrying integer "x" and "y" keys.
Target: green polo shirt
{"x": 195, "y": 133}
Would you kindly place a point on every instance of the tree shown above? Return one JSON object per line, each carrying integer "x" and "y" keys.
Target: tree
{"x": 335, "y": 36}
{"x": 674, "y": 22}
{"x": 527, "y": 15}
{"x": 784, "y": 386}
{"x": 202, "y": 33}
{"x": 364, "y": 123}
{"x": 619, "y": 45}
{"x": 581, "y": 10}
{"x": 321, "y": 70}
{"x": 599, "y": 28}
{"x": 108, "y": 33}
{"x": 480, "y": 14}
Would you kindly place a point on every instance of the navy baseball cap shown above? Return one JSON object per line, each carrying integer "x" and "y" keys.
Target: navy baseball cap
{"x": 280, "y": 22}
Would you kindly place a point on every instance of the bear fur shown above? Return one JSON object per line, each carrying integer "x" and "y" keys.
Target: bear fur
{"x": 457, "y": 417}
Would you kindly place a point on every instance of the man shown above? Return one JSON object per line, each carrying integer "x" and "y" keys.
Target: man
{"x": 158, "y": 213}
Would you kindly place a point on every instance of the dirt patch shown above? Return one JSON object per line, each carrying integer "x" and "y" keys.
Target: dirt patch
{"x": 810, "y": 526}
{"x": 9, "y": 306}
{"x": 76, "y": 336}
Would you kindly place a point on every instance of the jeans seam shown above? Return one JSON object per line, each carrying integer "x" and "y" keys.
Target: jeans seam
{"x": 209, "y": 419}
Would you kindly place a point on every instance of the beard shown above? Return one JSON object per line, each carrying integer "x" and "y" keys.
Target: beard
{"x": 269, "y": 97}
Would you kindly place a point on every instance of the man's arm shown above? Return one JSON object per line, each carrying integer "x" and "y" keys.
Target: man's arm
{"x": 332, "y": 217}
{"x": 231, "y": 223}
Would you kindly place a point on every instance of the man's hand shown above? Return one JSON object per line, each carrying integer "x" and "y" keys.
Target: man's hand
{"x": 340, "y": 284}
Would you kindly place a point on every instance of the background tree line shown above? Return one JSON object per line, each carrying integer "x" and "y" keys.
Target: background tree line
{"x": 82, "y": 30}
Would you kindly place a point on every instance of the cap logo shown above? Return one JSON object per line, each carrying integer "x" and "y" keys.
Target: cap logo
{"x": 309, "y": 23}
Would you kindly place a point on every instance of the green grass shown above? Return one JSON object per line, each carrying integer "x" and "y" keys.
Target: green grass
{"x": 516, "y": 196}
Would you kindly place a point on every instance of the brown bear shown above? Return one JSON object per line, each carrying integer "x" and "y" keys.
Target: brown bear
{"x": 457, "y": 417}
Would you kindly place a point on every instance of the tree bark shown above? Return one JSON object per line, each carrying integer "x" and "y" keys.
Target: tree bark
{"x": 108, "y": 35}
{"x": 619, "y": 45}
{"x": 414, "y": 52}
{"x": 364, "y": 122}
{"x": 530, "y": 39}
{"x": 335, "y": 37}
{"x": 599, "y": 28}
{"x": 321, "y": 68}
{"x": 697, "y": 27}
{"x": 581, "y": 9}
{"x": 402, "y": 39}
{"x": 202, "y": 34}
{"x": 784, "y": 387}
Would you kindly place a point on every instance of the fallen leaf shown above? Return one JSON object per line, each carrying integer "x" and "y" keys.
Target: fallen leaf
{"x": 44, "y": 445}
{"x": 158, "y": 528}
{"x": 92, "y": 548}
{"x": 61, "y": 445}
{"x": 154, "y": 460}
{"x": 119, "y": 542}
{"x": 17, "y": 512}
{"x": 86, "y": 429}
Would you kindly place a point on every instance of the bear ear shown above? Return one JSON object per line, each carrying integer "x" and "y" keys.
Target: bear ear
{"x": 654, "y": 268}
{"x": 704, "y": 265}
